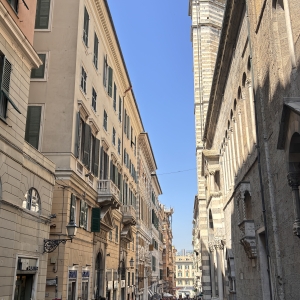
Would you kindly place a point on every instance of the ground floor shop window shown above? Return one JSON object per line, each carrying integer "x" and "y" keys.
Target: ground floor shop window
{"x": 23, "y": 287}
{"x": 72, "y": 284}
{"x": 85, "y": 285}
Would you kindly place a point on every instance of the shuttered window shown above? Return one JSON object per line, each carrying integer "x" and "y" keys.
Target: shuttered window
{"x": 87, "y": 145}
{"x": 105, "y": 71}
{"x": 33, "y": 125}
{"x": 83, "y": 214}
{"x": 120, "y": 109}
{"x": 105, "y": 120}
{"x": 42, "y": 14}
{"x": 86, "y": 27}
{"x": 39, "y": 73}
{"x": 14, "y": 4}
{"x": 96, "y": 157}
{"x": 94, "y": 100}
{"x": 110, "y": 81}
{"x": 73, "y": 209}
{"x": 115, "y": 97}
{"x": 114, "y": 136}
{"x": 119, "y": 146}
{"x": 95, "y": 221}
{"x": 96, "y": 43}
{"x": 83, "y": 80}
{"x": 5, "y": 73}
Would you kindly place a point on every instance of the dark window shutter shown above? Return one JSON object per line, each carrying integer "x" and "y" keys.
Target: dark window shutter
{"x": 110, "y": 81}
{"x": 106, "y": 165}
{"x": 86, "y": 208}
{"x": 120, "y": 187}
{"x": 77, "y": 135}
{"x": 42, "y": 14}
{"x": 33, "y": 122}
{"x": 81, "y": 217}
{"x": 87, "y": 145}
{"x": 96, "y": 158}
{"x": 96, "y": 42}
{"x": 111, "y": 170}
{"x": 105, "y": 71}
{"x": 101, "y": 163}
{"x": 95, "y": 221}
{"x": 72, "y": 208}
{"x": 86, "y": 27}
{"x": 6, "y": 76}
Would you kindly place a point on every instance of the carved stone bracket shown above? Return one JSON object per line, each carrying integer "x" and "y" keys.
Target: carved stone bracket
{"x": 248, "y": 240}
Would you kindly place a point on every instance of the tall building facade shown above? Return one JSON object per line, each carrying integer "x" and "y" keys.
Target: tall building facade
{"x": 251, "y": 155}
{"x": 26, "y": 176}
{"x": 207, "y": 17}
{"x": 185, "y": 272}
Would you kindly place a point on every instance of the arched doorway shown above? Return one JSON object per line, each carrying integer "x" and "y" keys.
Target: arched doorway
{"x": 99, "y": 278}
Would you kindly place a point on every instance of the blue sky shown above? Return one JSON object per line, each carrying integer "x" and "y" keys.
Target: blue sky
{"x": 155, "y": 41}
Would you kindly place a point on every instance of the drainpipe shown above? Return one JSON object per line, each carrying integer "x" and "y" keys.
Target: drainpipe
{"x": 269, "y": 178}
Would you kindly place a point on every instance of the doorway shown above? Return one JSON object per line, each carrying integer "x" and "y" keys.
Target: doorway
{"x": 23, "y": 287}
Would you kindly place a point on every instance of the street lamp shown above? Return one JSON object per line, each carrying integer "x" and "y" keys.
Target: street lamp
{"x": 51, "y": 245}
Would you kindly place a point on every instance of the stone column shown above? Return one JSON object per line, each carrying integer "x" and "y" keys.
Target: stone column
{"x": 246, "y": 124}
{"x": 294, "y": 182}
{"x": 237, "y": 142}
{"x": 251, "y": 98}
{"x": 233, "y": 153}
{"x": 241, "y": 134}
{"x": 219, "y": 249}
{"x": 212, "y": 269}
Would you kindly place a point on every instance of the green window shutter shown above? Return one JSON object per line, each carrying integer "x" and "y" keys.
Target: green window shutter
{"x": 120, "y": 187}
{"x": 95, "y": 221}
{"x": 111, "y": 170}
{"x": 87, "y": 145}
{"x": 101, "y": 163}
{"x": 96, "y": 42}
{"x": 42, "y": 14}
{"x": 33, "y": 123}
{"x": 105, "y": 71}
{"x": 110, "y": 81}
{"x": 72, "y": 208}
{"x": 96, "y": 158}
{"x": 77, "y": 135}
{"x": 40, "y": 71}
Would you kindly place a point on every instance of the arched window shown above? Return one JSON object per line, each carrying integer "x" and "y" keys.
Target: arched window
{"x": 32, "y": 200}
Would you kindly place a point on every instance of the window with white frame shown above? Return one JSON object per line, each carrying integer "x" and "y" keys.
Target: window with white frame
{"x": 83, "y": 80}
{"x": 32, "y": 200}
{"x": 14, "y": 4}
{"x": 85, "y": 284}
{"x": 33, "y": 128}
{"x": 94, "y": 100}
{"x": 86, "y": 20}
{"x": 41, "y": 72}
{"x": 105, "y": 120}
{"x": 42, "y": 16}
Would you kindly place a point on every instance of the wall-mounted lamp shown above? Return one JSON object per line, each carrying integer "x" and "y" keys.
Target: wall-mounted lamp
{"x": 51, "y": 245}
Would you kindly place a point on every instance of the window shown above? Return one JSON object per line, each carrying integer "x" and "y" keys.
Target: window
{"x": 186, "y": 266}
{"x": 104, "y": 163}
{"x": 179, "y": 267}
{"x": 110, "y": 235}
{"x": 83, "y": 80}
{"x": 119, "y": 146}
{"x": 105, "y": 71}
{"x": 110, "y": 81}
{"x": 117, "y": 234}
{"x": 33, "y": 126}
{"x": 179, "y": 282}
{"x": 115, "y": 97}
{"x": 40, "y": 72}
{"x": 5, "y": 72}
{"x": 179, "y": 274}
{"x": 132, "y": 281}
{"x": 153, "y": 263}
{"x": 128, "y": 278}
{"x": 85, "y": 285}
{"x": 96, "y": 43}
{"x": 86, "y": 27}
{"x": 83, "y": 218}
{"x": 120, "y": 109}
{"x": 114, "y": 136}
{"x": 105, "y": 120}
{"x": 42, "y": 14}
{"x": 132, "y": 245}
{"x": 13, "y": 4}
{"x": 187, "y": 274}
{"x": 94, "y": 100}
{"x": 32, "y": 200}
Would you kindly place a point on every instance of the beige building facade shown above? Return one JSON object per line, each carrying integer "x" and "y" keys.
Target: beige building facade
{"x": 26, "y": 176}
{"x": 250, "y": 161}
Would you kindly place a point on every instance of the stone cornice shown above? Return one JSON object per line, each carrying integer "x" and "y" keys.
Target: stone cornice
{"x": 19, "y": 40}
{"x": 147, "y": 151}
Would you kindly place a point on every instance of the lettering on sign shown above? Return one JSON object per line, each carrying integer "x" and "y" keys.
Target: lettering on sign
{"x": 85, "y": 274}
{"x": 72, "y": 274}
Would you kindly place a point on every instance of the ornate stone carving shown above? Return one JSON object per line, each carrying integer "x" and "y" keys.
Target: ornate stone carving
{"x": 248, "y": 238}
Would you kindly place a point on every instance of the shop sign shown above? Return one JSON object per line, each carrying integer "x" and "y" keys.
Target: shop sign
{"x": 27, "y": 264}
{"x": 122, "y": 283}
{"x": 85, "y": 274}
{"x": 115, "y": 284}
{"x": 109, "y": 285}
{"x": 51, "y": 281}
{"x": 72, "y": 274}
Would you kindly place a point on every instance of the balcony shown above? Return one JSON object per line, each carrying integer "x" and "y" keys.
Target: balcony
{"x": 129, "y": 215}
{"x": 248, "y": 238}
{"x": 108, "y": 194}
